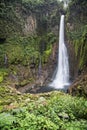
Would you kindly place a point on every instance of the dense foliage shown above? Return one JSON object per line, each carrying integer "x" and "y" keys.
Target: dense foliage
{"x": 13, "y": 15}
{"x": 26, "y": 49}
{"x": 17, "y": 47}
{"x": 51, "y": 111}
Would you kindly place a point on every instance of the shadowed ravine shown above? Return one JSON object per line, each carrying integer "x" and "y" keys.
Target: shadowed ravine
{"x": 44, "y": 89}
{"x": 61, "y": 78}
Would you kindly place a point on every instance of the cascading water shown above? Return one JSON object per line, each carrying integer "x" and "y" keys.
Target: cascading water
{"x": 62, "y": 75}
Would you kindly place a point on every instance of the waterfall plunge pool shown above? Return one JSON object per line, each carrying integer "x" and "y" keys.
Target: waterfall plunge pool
{"x": 45, "y": 89}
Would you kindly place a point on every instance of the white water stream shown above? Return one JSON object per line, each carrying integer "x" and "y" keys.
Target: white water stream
{"x": 62, "y": 75}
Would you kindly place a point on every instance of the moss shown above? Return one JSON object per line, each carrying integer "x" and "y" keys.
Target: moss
{"x": 79, "y": 40}
{"x": 1, "y": 78}
{"x": 25, "y": 82}
{"x": 46, "y": 45}
{"x": 26, "y": 50}
{"x": 6, "y": 96}
{"x": 81, "y": 90}
{"x": 14, "y": 53}
{"x": 1, "y": 108}
{"x": 46, "y": 55}
{"x": 3, "y": 74}
{"x": 77, "y": 30}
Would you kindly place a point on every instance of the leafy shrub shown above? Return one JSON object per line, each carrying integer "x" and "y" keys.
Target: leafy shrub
{"x": 55, "y": 111}
{"x": 6, "y": 120}
{"x": 3, "y": 73}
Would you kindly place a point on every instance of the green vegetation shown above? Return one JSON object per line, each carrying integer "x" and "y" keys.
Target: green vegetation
{"x": 3, "y": 74}
{"x": 51, "y": 111}
{"x": 26, "y": 50}
{"x": 77, "y": 31}
{"x": 13, "y": 15}
{"x": 18, "y": 51}
{"x": 79, "y": 40}
{"x": 10, "y": 21}
{"x": 21, "y": 48}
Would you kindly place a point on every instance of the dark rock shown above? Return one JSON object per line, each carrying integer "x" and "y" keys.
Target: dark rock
{"x": 79, "y": 86}
{"x": 2, "y": 40}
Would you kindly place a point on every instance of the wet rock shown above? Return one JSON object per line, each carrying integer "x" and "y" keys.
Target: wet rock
{"x": 79, "y": 87}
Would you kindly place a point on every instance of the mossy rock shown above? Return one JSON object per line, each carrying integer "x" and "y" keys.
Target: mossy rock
{"x": 79, "y": 88}
{"x": 23, "y": 83}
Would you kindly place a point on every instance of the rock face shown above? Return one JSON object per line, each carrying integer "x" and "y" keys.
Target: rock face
{"x": 79, "y": 86}
{"x": 27, "y": 18}
{"x": 77, "y": 31}
{"x": 77, "y": 36}
{"x": 73, "y": 62}
{"x": 30, "y": 25}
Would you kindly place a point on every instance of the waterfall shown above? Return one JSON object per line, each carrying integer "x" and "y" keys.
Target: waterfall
{"x": 62, "y": 75}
